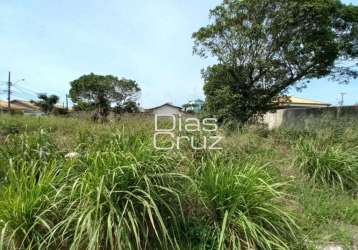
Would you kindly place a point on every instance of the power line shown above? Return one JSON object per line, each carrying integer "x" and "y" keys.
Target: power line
{"x": 23, "y": 95}
{"x": 9, "y": 92}
{"x": 26, "y": 92}
{"x": 33, "y": 91}
{"x": 23, "y": 92}
{"x": 20, "y": 96}
{"x": 38, "y": 92}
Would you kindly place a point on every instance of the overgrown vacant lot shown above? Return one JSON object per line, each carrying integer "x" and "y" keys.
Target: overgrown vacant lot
{"x": 283, "y": 189}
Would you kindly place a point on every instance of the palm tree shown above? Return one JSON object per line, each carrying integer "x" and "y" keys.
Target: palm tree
{"x": 47, "y": 103}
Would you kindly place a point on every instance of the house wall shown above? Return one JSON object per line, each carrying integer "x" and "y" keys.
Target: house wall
{"x": 166, "y": 110}
{"x": 301, "y": 116}
{"x": 274, "y": 119}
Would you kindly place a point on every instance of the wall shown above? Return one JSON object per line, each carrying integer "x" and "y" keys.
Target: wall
{"x": 299, "y": 116}
{"x": 274, "y": 119}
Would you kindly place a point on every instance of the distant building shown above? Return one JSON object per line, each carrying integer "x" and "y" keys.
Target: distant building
{"x": 25, "y": 107}
{"x": 165, "y": 109}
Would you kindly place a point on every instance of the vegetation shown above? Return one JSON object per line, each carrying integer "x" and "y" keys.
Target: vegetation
{"x": 263, "y": 47}
{"x": 278, "y": 189}
{"x": 47, "y": 103}
{"x": 99, "y": 92}
{"x": 332, "y": 165}
{"x": 127, "y": 107}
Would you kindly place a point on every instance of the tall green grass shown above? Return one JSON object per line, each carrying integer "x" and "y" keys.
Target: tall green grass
{"x": 121, "y": 193}
{"x": 332, "y": 165}
{"x": 245, "y": 207}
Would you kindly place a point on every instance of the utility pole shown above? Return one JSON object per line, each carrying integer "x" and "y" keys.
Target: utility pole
{"x": 9, "y": 93}
{"x": 341, "y": 102}
{"x": 67, "y": 101}
{"x": 9, "y": 84}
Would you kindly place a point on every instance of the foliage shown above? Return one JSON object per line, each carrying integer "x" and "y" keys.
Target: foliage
{"x": 102, "y": 91}
{"x": 47, "y": 103}
{"x": 263, "y": 47}
{"x": 60, "y": 111}
{"x": 84, "y": 106}
{"x": 127, "y": 107}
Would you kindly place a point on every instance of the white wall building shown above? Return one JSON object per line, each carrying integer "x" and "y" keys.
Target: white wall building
{"x": 165, "y": 109}
{"x": 277, "y": 118}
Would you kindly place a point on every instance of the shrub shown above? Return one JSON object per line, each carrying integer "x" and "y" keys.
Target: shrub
{"x": 60, "y": 111}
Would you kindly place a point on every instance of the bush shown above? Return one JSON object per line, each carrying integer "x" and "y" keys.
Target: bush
{"x": 60, "y": 111}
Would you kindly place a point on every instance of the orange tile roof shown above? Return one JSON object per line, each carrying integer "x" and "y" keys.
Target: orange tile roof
{"x": 19, "y": 105}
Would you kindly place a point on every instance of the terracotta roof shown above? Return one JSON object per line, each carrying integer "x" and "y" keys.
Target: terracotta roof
{"x": 25, "y": 104}
{"x": 19, "y": 105}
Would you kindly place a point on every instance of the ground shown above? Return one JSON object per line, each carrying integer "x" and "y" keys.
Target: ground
{"x": 290, "y": 188}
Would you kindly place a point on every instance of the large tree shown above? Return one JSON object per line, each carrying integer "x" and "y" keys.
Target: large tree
{"x": 265, "y": 46}
{"x": 102, "y": 91}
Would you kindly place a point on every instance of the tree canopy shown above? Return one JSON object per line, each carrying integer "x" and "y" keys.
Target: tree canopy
{"x": 102, "y": 91}
{"x": 47, "y": 103}
{"x": 265, "y": 46}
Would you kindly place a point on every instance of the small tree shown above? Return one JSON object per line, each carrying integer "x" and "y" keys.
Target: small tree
{"x": 103, "y": 91}
{"x": 47, "y": 103}
{"x": 263, "y": 47}
{"x": 190, "y": 107}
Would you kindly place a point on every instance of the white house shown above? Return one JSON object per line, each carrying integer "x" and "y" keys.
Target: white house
{"x": 165, "y": 109}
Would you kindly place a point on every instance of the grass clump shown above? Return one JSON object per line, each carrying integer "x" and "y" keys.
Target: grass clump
{"x": 245, "y": 207}
{"x": 330, "y": 165}
{"x": 124, "y": 200}
{"x": 28, "y": 205}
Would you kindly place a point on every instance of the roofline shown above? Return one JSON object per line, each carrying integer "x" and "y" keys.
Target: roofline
{"x": 309, "y": 101}
{"x": 165, "y": 104}
{"x": 21, "y": 105}
{"x": 306, "y": 103}
{"x": 27, "y": 104}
